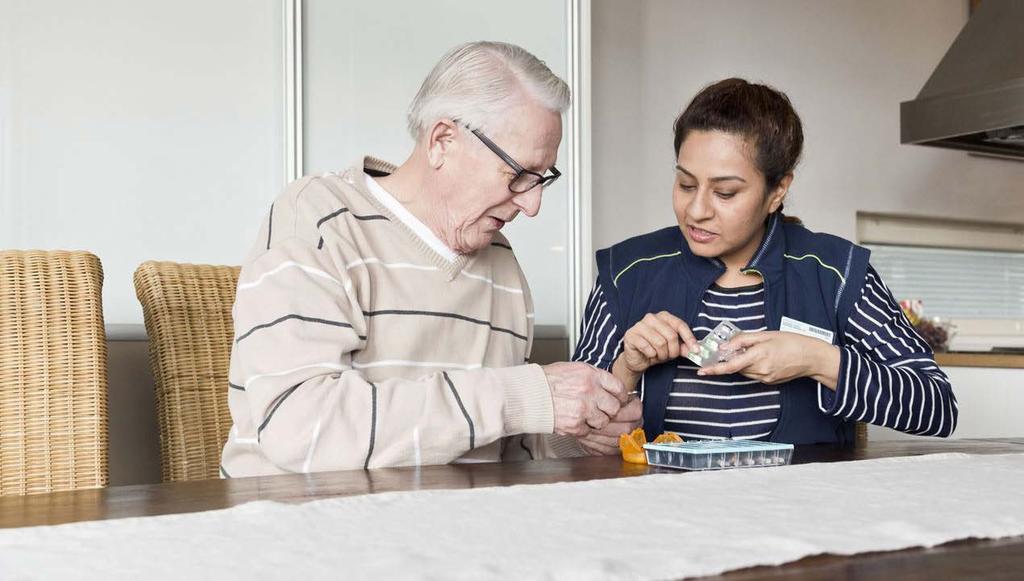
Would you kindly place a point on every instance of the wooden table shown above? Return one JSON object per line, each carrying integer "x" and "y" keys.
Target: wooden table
{"x": 963, "y": 559}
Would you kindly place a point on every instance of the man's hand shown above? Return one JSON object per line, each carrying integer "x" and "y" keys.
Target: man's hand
{"x": 585, "y": 398}
{"x": 605, "y": 441}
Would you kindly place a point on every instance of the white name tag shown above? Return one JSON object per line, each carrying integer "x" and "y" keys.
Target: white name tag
{"x": 801, "y": 328}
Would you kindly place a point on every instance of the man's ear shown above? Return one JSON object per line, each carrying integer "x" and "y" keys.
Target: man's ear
{"x": 778, "y": 196}
{"x": 441, "y": 141}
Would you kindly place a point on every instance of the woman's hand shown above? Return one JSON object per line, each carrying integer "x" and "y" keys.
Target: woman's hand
{"x": 774, "y": 357}
{"x": 654, "y": 339}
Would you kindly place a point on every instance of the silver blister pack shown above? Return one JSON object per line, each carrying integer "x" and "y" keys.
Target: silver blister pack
{"x": 710, "y": 351}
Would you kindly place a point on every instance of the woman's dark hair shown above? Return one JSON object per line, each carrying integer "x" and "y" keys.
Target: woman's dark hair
{"x": 758, "y": 113}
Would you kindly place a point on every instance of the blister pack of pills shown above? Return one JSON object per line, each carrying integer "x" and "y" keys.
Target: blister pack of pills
{"x": 710, "y": 351}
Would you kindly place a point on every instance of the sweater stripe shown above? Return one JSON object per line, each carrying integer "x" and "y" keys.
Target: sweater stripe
{"x": 373, "y": 424}
{"x": 456, "y": 316}
{"x": 469, "y": 420}
{"x": 273, "y": 410}
{"x": 304, "y": 318}
{"x": 270, "y": 225}
{"x": 338, "y": 212}
{"x": 282, "y": 267}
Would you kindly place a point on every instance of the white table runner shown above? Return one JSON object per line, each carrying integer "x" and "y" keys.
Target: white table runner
{"x": 650, "y": 527}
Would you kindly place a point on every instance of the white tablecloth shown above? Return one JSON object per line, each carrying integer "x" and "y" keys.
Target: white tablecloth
{"x": 651, "y": 527}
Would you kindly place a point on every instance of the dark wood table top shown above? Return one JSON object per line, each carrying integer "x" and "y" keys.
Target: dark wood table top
{"x": 963, "y": 559}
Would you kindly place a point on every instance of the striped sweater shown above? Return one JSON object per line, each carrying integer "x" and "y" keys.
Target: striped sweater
{"x": 358, "y": 344}
{"x": 887, "y": 374}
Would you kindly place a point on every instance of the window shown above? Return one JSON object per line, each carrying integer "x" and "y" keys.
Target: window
{"x": 967, "y": 273}
{"x": 954, "y": 283}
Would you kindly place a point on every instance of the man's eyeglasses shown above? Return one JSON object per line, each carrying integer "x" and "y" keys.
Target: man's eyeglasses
{"x": 525, "y": 179}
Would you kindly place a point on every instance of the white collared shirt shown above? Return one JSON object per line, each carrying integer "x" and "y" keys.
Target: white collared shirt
{"x": 419, "y": 228}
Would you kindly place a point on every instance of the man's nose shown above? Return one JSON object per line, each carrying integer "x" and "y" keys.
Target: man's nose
{"x": 529, "y": 201}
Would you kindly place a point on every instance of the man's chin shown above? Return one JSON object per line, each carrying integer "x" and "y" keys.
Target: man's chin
{"x": 477, "y": 242}
{"x": 483, "y": 241}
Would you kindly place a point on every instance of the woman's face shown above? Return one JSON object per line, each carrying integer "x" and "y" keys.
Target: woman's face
{"x": 719, "y": 196}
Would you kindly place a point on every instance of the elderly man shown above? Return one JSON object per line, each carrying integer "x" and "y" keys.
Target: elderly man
{"x": 383, "y": 320}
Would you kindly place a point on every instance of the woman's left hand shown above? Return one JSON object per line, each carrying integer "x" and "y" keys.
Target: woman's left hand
{"x": 774, "y": 357}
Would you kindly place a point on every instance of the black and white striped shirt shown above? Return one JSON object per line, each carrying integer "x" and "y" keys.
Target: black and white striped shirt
{"x": 887, "y": 373}
{"x": 731, "y": 406}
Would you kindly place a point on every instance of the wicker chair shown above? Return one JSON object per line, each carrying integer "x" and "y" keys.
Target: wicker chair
{"x": 53, "y": 373}
{"x": 187, "y": 308}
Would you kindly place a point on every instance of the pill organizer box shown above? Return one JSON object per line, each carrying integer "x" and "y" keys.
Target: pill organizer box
{"x": 718, "y": 454}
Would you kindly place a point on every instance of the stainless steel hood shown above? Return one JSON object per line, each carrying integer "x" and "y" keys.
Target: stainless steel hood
{"x": 974, "y": 100}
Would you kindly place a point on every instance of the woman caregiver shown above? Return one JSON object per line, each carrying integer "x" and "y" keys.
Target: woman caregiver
{"x": 825, "y": 344}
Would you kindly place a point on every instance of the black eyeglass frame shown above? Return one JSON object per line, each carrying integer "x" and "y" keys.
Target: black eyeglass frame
{"x": 541, "y": 180}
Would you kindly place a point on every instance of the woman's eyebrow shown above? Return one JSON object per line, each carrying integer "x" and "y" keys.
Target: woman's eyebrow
{"x": 714, "y": 179}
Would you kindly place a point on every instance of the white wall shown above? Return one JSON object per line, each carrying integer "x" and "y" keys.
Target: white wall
{"x": 364, "y": 64}
{"x": 139, "y": 130}
{"x": 845, "y": 64}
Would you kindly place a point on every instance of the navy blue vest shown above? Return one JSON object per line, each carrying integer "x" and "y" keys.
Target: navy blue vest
{"x": 811, "y": 277}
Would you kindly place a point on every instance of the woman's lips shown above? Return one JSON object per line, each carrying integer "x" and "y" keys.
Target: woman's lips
{"x": 700, "y": 236}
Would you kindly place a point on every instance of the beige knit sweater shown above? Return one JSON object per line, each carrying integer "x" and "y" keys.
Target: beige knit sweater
{"x": 357, "y": 345}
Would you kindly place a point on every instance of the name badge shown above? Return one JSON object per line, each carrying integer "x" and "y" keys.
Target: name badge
{"x": 801, "y": 328}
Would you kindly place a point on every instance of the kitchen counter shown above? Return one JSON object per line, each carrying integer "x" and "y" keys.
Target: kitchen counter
{"x": 981, "y": 359}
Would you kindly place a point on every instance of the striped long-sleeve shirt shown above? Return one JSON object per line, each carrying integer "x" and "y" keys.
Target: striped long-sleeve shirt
{"x": 731, "y": 406}
{"x": 887, "y": 374}
{"x": 360, "y": 341}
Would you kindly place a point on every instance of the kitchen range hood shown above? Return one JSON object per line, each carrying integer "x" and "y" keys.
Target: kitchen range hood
{"x": 974, "y": 100}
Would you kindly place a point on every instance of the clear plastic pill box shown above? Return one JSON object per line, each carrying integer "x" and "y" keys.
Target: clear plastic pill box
{"x": 718, "y": 454}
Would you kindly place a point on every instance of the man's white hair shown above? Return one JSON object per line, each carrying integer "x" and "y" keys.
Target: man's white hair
{"x": 478, "y": 82}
